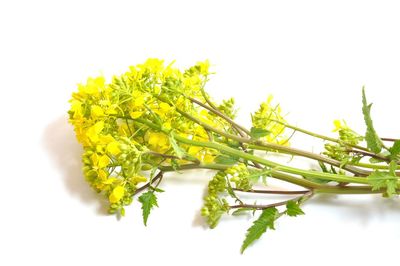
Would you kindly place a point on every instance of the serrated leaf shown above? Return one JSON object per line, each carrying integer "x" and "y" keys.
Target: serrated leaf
{"x": 293, "y": 208}
{"x": 379, "y": 180}
{"x": 179, "y": 152}
{"x": 265, "y": 220}
{"x": 395, "y": 150}
{"x": 258, "y": 132}
{"x": 148, "y": 200}
{"x": 374, "y": 143}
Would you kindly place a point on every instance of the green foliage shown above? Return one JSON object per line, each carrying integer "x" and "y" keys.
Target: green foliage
{"x": 374, "y": 143}
{"x": 179, "y": 152}
{"x": 148, "y": 200}
{"x": 293, "y": 208}
{"x": 395, "y": 150}
{"x": 260, "y": 226}
{"x": 385, "y": 180}
{"x": 225, "y": 159}
{"x": 258, "y": 132}
{"x": 242, "y": 211}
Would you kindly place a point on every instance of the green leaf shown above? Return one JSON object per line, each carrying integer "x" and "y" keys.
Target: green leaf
{"x": 179, "y": 152}
{"x": 260, "y": 226}
{"x": 241, "y": 211}
{"x": 148, "y": 200}
{"x": 374, "y": 143}
{"x": 293, "y": 208}
{"x": 258, "y": 132}
{"x": 156, "y": 189}
{"x": 323, "y": 167}
{"x": 379, "y": 180}
{"x": 225, "y": 159}
{"x": 395, "y": 150}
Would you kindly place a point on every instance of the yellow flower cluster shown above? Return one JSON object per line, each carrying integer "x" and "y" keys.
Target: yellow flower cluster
{"x": 269, "y": 117}
{"x": 106, "y": 118}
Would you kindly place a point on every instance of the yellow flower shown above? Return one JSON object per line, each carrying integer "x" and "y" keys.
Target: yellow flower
{"x": 139, "y": 101}
{"x": 164, "y": 107}
{"x": 94, "y": 131}
{"x": 99, "y": 161}
{"x": 138, "y": 179}
{"x": 338, "y": 125}
{"x": 194, "y": 150}
{"x": 167, "y": 125}
{"x": 158, "y": 141}
{"x": 93, "y": 86}
{"x": 204, "y": 66}
{"x": 208, "y": 158}
{"x": 117, "y": 194}
{"x": 113, "y": 148}
{"x": 136, "y": 114}
{"x": 96, "y": 111}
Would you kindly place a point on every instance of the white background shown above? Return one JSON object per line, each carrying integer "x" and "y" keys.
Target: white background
{"x": 313, "y": 56}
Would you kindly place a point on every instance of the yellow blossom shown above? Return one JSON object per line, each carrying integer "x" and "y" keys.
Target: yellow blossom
{"x": 139, "y": 101}
{"x": 94, "y": 131}
{"x": 338, "y": 125}
{"x": 136, "y": 179}
{"x": 158, "y": 141}
{"x": 136, "y": 114}
{"x": 100, "y": 161}
{"x": 117, "y": 194}
{"x": 113, "y": 148}
{"x": 96, "y": 111}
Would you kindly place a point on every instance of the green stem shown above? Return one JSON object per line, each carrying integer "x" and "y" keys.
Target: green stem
{"x": 374, "y": 166}
{"x": 293, "y": 151}
{"x": 349, "y": 190}
{"x": 218, "y": 131}
{"x": 222, "y": 115}
{"x": 275, "y": 166}
{"x": 211, "y": 166}
{"x": 313, "y": 134}
{"x": 322, "y": 189}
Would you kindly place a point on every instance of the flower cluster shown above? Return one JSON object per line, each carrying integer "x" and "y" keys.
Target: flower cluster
{"x": 110, "y": 122}
{"x": 239, "y": 174}
{"x": 347, "y": 138}
{"x": 215, "y": 205}
{"x": 269, "y": 117}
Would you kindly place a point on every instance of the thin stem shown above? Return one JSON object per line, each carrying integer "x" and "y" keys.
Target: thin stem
{"x": 211, "y": 166}
{"x": 349, "y": 190}
{"x": 218, "y": 131}
{"x": 279, "y": 192}
{"x": 157, "y": 177}
{"x": 373, "y": 166}
{"x": 168, "y": 156}
{"x": 262, "y": 207}
{"x": 313, "y": 134}
{"x": 293, "y": 151}
{"x": 222, "y": 115}
{"x": 275, "y": 166}
{"x": 370, "y": 154}
{"x": 389, "y": 139}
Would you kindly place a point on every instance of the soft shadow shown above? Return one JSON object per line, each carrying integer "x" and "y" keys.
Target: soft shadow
{"x": 65, "y": 152}
{"x": 362, "y": 208}
{"x": 198, "y": 220}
